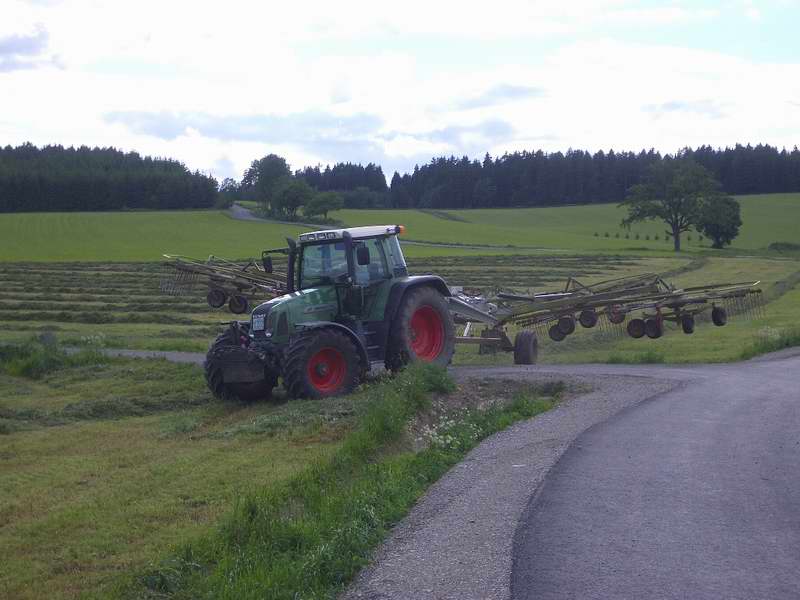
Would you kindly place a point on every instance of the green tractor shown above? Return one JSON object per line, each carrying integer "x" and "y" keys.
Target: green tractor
{"x": 351, "y": 304}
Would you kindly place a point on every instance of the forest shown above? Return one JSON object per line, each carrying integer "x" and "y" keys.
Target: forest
{"x": 579, "y": 177}
{"x": 54, "y": 178}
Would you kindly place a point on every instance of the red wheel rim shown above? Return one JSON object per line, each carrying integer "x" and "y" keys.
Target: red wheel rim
{"x": 326, "y": 369}
{"x": 427, "y": 333}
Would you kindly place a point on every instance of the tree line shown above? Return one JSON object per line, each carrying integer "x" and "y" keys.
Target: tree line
{"x": 579, "y": 177}
{"x": 55, "y": 178}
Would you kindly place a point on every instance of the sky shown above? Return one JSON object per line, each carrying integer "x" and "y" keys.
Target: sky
{"x": 219, "y": 84}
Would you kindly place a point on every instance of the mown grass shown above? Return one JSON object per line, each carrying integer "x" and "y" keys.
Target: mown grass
{"x": 105, "y": 466}
{"x": 307, "y": 537}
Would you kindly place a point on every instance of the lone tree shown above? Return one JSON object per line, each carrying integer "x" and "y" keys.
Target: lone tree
{"x": 673, "y": 191}
{"x": 262, "y": 179}
{"x": 719, "y": 219}
{"x": 289, "y": 196}
{"x": 322, "y": 203}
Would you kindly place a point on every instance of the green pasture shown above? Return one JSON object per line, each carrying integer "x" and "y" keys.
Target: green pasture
{"x": 146, "y": 235}
{"x": 767, "y": 219}
{"x": 117, "y": 236}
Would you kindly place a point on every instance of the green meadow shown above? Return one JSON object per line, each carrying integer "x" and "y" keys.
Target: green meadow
{"x": 146, "y": 235}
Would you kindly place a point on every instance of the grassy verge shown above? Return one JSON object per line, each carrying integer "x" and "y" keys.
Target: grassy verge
{"x": 308, "y": 536}
{"x": 771, "y": 340}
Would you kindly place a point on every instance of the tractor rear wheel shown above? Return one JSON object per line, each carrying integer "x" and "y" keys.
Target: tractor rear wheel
{"x": 526, "y": 348}
{"x": 228, "y": 348}
{"x": 422, "y": 330}
{"x": 321, "y": 363}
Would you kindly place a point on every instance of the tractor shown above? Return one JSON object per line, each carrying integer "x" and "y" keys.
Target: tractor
{"x": 351, "y": 305}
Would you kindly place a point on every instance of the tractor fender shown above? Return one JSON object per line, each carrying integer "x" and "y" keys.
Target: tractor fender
{"x": 362, "y": 350}
{"x": 404, "y": 284}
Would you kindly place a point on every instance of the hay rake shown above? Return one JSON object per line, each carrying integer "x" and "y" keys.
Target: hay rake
{"x": 237, "y": 283}
{"x": 638, "y": 305}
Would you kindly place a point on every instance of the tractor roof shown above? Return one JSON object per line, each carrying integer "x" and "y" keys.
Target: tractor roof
{"x": 355, "y": 233}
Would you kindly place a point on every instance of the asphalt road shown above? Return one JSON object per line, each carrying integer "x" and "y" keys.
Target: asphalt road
{"x": 694, "y": 494}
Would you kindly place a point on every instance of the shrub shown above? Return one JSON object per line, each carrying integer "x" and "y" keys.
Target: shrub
{"x": 637, "y": 236}
{"x": 596, "y": 234}
{"x": 606, "y": 234}
{"x": 647, "y": 237}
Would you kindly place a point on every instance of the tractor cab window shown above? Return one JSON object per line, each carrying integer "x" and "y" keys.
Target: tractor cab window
{"x": 396, "y": 259}
{"x": 322, "y": 264}
{"x": 376, "y": 269}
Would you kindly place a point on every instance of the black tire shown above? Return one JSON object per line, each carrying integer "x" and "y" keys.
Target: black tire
{"x": 422, "y": 330}
{"x": 225, "y": 348}
{"x": 526, "y": 348}
{"x": 687, "y": 324}
{"x": 566, "y": 324}
{"x": 587, "y": 318}
{"x": 654, "y": 328}
{"x": 719, "y": 316}
{"x": 238, "y": 305}
{"x": 615, "y": 315}
{"x": 216, "y": 298}
{"x": 321, "y": 363}
{"x": 555, "y": 333}
{"x": 636, "y": 328}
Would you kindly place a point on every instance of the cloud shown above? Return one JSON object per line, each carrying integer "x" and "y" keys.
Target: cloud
{"x": 504, "y": 92}
{"x": 707, "y": 108}
{"x": 24, "y": 51}
{"x": 307, "y": 127}
{"x": 492, "y": 130}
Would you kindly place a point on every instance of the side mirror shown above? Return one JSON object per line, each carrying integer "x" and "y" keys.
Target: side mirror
{"x": 362, "y": 255}
{"x": 266, "y": 260}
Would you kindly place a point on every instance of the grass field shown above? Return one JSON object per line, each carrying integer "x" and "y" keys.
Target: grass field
{"x": 767, "y": 219}
{"x": 106, "y": 466}
{"x": 145, "y": 236}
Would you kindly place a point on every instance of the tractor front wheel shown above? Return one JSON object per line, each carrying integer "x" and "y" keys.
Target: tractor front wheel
{"x": 226, "y": 349}
{"x": 423, "y": 330}
{"x": 321, "y": 363}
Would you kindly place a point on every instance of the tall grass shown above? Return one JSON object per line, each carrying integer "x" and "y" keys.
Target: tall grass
{"x": 309, "y": 537}
{"x": 771, "y": 340}
{"x": 34, "y": 359}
